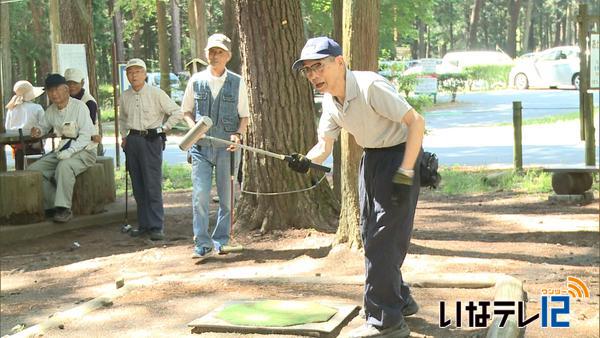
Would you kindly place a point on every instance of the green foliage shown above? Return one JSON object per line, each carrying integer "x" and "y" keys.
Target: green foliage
{"x": 452, "y": 82}
{"x": 491, "y": 75}
{"x": 317, "y": 17}
{"x": 175, "y": 177}
{"x": 406, "y": 84}
{"x": 458, "y": 181}
{"x": 420, "y": 102}
{"x": 105, "y": 102}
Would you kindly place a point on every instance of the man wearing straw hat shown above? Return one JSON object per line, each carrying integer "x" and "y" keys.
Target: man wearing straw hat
{"x": 24, "y": 114}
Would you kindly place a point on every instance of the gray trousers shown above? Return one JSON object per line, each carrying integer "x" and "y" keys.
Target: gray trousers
{"x": 387, "y": 214}
{"x": 144, "y": 163}
{"x": 58, "y": 176}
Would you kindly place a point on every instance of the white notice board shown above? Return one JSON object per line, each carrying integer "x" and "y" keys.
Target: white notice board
{"x": 72, "y": 56}
{"x": 595, "y": 61}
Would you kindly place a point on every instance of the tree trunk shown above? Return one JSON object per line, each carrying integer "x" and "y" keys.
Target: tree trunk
{"x": 528, "y": 24}
{"x": 176, "y": 37}
{"x": 40, "y": 36}
{"x": 55, "y": 30}
{"x": 361, "y": 40}
{"x": 197, "y": 28}
{"x": 5, "y": 71}
{"x": 421, "y": 43}
{"x": 76, "y": 26}
{"x": 163, "y": 46}
{"x": 337, "y": 9}
{"x": 511, "y": 43}
{"x": 282, "y": 121}
{"x": 118, "y": 32}
{"x": 232, "y": 31}
{"x": 473, "y": 22}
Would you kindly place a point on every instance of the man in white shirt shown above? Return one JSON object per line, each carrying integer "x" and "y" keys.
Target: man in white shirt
{"x": 142, "y": 111}
{"x": 221, "y": 95}
{"x": 70, "y": 119}
{"x": 390, "y": 132}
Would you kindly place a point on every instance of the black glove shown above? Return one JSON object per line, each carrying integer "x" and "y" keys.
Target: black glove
{"x": 299, "y": 163}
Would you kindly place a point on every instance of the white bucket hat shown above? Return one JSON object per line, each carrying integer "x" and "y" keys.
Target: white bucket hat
{"x": 24, "y": 91}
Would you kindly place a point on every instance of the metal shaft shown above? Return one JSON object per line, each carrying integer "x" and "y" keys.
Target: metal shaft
{"x": 252, "y": 149}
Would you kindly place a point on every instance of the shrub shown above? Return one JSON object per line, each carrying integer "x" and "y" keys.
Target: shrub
{"x": 452, "y": 82}
{"x": 105, "y": 102}
{"x": 420, "y": 102}
{"x": 491, "y": 75}
{"x": 406, "y": 84}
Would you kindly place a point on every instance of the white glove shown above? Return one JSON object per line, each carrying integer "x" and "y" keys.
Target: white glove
{"x": 69, "y": 129}
{"x": 65, "y": 154}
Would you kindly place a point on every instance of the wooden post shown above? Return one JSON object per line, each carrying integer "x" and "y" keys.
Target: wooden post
{"x": 590, "y": 131}
{"x": 116, "y": 100}
{"x": 518, "y": 145}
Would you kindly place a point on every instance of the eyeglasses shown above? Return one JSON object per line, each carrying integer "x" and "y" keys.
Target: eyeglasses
{"x": 317, "y": 68}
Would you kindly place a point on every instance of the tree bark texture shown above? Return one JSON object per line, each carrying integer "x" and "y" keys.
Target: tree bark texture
{"x": 42, "y": 41}
{"x": 5, "y": 72}
{"x": 282, "y": 120}
{"x": 163, "y": 46}
{"x": 337, "y": 8}
{"x": 197, "y": 28}
{"x": 55, "y": 30}
{"x": 528, "y": 24}
{"x": 511, "y": 41}
{"x": 361, "y": 41}
{"x": 118, "y": 30}
{"x": 76, "y": 26}
{"x": 231, "y": 29}
{"x": 176, "y": 36}
{"x": 473, "y": 22}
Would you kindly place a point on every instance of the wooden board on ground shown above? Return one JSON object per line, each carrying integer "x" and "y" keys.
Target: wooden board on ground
{"x": 211, "y": 323}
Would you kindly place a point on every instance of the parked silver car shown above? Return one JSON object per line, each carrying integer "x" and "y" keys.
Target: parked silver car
{"x": 554, "y": 67}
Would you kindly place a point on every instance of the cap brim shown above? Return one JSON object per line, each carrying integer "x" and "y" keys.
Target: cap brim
{"x": 129, "y": 66}
{"x": 300, "y": 62}
{"x": 218, "y": 45}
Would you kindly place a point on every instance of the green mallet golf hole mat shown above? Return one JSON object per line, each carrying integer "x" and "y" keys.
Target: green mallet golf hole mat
{"x": 275, "y": 317}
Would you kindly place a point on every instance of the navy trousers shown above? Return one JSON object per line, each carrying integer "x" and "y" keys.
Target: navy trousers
{"x": 144, "y": 162}
{"x": 387, "y": 215}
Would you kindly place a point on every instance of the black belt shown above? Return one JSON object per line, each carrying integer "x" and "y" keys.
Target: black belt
{"x": 147, "y": 132}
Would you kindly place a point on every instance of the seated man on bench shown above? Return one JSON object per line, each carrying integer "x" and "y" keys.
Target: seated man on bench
{"x": 70, "y": 119}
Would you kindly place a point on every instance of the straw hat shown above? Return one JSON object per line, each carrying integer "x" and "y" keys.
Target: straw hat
{"x": 24, "y": 91}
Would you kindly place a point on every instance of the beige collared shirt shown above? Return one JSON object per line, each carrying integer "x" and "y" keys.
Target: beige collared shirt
{"x": 372, "y": 112}
{"x": 146, "y": 109}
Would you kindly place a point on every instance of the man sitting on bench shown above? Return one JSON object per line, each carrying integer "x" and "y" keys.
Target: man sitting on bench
{"x": 70, "y": 119}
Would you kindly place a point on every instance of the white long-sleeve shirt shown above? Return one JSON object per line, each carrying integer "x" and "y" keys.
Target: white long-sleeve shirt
{"x": 25, "y": 116}
{"x": 75, "y": 111}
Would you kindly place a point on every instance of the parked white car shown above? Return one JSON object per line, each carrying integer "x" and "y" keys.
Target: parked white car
{"x": 554, "y": 67}
{"x": 176, "y": 92}
{"x": 428, "y": 66}
{"x": 476, "y": 58}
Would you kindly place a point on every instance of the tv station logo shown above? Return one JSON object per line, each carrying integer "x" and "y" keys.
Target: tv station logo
{"x": 555, "y": 308}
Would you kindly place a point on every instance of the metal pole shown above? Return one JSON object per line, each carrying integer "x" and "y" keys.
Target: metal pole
{"x": 518, "y": 136}
{"x": 116, "y": 103}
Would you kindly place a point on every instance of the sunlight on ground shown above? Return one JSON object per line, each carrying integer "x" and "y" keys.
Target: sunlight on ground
{"x": 550, "y": 223}
{"x": 299, "y": 265}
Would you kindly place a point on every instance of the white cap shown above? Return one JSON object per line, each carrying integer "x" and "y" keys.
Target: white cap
{"x": 136, "y": 62}
{"x": 218, "y": 40}
{"x": 74, "y": 74}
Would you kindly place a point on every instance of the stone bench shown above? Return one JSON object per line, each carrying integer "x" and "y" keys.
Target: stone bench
{"x": 21, "y": 199}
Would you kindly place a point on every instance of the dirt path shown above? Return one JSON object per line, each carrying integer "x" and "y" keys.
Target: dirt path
{"x": 523, "y": 236}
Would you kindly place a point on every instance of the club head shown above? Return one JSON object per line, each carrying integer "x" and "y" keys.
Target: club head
{"x": 125, "y": 228}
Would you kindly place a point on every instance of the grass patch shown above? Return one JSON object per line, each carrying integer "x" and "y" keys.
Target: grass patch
{"x": 457, "y": 181}
{"x": 549, "y": 119}
{"x": 175, "y": 177}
